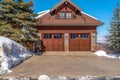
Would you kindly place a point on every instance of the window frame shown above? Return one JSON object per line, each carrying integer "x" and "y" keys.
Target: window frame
{"x": 61, "y": 15}
{"x": 67, "y": 15}
{"x": 74, "y": 36}
{"x": 84, "y": 36}
{"x": 47, "y": 36}
{"x": 58, "y": 36}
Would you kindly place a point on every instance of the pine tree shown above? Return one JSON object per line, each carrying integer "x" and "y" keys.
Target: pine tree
{"x": 6, "y": 14}
{"x": 25, "y": 20}
{"x": 114, "y": 37}
{"x": 17, "y": 20}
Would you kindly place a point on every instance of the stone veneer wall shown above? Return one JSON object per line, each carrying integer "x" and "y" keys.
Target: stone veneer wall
{"x": 93, "y": 41}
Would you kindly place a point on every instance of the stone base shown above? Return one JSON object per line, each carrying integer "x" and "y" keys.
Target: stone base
{"x": 93, "y": 47}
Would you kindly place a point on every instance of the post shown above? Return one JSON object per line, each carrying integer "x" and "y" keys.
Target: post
{"x": 93, "y": 42}
{"x": 66, "y": 48}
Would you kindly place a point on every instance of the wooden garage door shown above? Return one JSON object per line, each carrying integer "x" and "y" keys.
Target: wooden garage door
{"x": 79, "y": 42}
{"x": 53, "y": 42}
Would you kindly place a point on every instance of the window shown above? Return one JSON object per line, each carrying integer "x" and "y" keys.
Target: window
{"x": 47, "y": 36}
{"x": 83, "y": 35}
{"x": 62, "y": 15}
{"x": 57, "y": 36}
{"x": 68, "y": 15}
{"x": 74, "y": 36}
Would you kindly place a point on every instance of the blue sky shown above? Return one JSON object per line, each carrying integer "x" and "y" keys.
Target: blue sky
{"x": 101, "y": 9}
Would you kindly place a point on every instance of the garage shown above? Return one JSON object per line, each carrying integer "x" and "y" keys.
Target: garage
{"x": 52, "y": 42}
{"x": 79, "y": 42}
{"x": 67, "y": 28}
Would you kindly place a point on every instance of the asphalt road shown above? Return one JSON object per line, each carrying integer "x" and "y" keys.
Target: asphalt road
{"x": 70, "y": 65}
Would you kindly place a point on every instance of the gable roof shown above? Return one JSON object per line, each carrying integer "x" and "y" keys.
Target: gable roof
{"x": 45, "y": 18}
{"x": 62, "y": 2}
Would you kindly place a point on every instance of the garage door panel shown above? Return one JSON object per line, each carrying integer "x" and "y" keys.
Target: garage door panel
{"x": 85, "y": 42}
{"x": 53, "y": 45}
{"x": 60, "y": 43}
{"x": 74, "y": 42}
{"x": 79, "y": 43}
{"x": 57, "y": 45}
{"x": 74, "y": 45}
{"x": 49, "y": 43}
{"x": 53, "y": 42}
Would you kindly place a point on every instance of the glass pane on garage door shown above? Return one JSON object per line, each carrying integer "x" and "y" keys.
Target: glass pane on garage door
{"x": 57, "y": 36}
{"x": 47, "y": 36}
{"x": 73, "y": 36}
{"x": 84, "y": 35}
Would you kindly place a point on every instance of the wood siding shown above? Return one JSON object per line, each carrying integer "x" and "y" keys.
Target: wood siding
{"x": 52, "y": 44}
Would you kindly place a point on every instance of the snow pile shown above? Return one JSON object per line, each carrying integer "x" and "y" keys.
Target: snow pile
{"x": 11, "y": 54}
{"x": 46, "y": 77}
{"x": 104, "y": 54}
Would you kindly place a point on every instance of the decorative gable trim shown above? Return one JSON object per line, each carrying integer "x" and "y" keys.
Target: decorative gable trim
{"x": 62, "y": 2}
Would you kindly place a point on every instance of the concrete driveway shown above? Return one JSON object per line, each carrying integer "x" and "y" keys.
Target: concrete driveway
{"x": 67, "y": 65}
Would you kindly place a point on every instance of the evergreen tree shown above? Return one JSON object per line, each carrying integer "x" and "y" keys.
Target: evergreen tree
{"x": 114, "y": 37}
{"x": 6, "y": 14}
{"x": 17, "y": 20}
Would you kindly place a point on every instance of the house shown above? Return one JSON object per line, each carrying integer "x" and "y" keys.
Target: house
{"x": 67, "y": 28}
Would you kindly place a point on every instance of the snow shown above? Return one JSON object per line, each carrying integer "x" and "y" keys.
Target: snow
{"x": 104, "y": 54}
{"x": 40, "y": 14}
{"x": 11, "y": 54}
{"x": 101, "y": 53}
{"x": 46, "y": 77}
{"x": 89, "y": 15}
{"x": 101, "y": 40}
{"x": 68, "y": 78}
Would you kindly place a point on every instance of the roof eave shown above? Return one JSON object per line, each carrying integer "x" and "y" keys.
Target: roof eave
{"x": 71, "y": 24}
